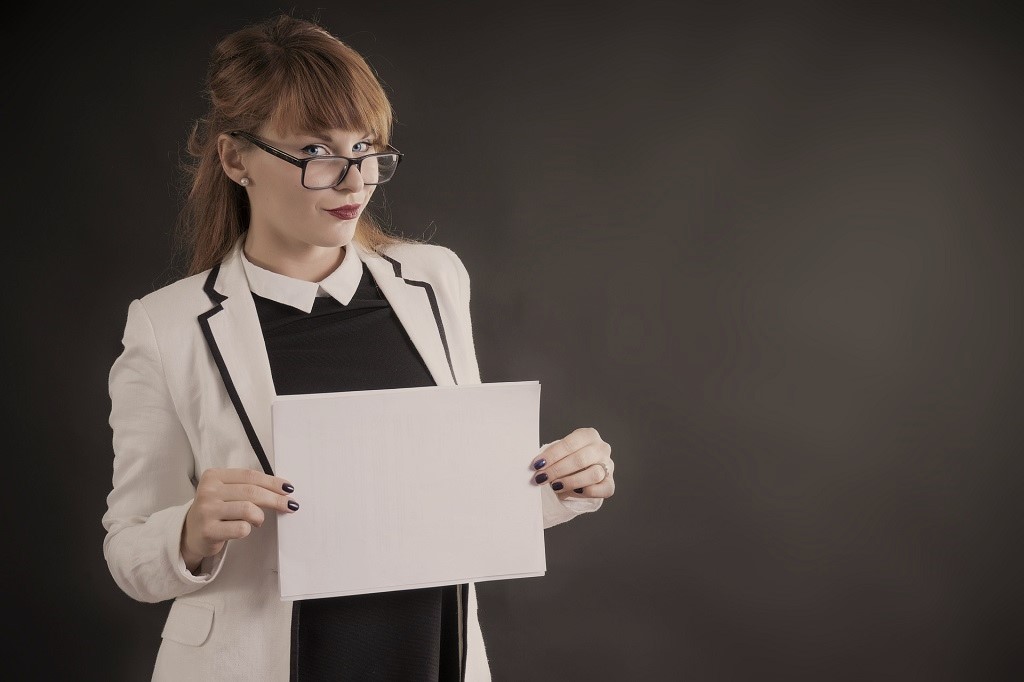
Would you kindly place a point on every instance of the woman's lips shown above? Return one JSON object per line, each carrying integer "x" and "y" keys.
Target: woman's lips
{"x": 346, "y": 212}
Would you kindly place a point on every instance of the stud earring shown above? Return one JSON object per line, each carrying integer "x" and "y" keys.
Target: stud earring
{"x": 244, "y": 182}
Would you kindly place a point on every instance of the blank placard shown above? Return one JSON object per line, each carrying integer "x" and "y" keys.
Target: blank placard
{"x": 408, "y": 488}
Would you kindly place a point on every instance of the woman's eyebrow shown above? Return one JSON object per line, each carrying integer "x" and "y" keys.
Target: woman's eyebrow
{"x": 324, "y": 136}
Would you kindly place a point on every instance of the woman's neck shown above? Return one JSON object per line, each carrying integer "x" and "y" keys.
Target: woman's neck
{"x": 308, "y": 262}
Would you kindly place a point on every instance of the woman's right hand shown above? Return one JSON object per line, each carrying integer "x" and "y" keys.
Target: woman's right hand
{"x": 228, "y": 503}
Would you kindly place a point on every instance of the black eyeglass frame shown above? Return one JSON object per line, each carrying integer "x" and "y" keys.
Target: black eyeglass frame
{"x": 301, "y": 163}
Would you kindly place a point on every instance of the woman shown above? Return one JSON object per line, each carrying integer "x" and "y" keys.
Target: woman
{"x": 292, "y": 289}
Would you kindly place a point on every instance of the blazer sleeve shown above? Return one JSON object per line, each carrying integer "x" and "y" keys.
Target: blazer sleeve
{"x": 555, "y": 510}
{"x": 153, "y": 474}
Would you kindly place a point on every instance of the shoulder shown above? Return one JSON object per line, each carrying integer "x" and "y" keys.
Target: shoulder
{"x": 174, "y": 306}
{"x": 165, "y": 319}
{"x": 180, "y": 294}
{"x": 429, "y": 261}
{"x": 419, "y": 255}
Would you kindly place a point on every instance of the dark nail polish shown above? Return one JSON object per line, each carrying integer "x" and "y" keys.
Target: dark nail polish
{"x": 541, "y": 478}
{"x": 288, "y": 488}
{"x": 577, "y": 490}
{"x": 539, "y": 464}
{"x": 557, "y": 486}
{"x": 293, "y": 505}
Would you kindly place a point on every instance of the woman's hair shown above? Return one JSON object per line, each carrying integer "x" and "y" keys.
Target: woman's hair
{"x": 296, "y": 76}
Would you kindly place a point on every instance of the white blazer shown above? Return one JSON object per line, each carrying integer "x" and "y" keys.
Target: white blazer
{"x": 191, "y": 390}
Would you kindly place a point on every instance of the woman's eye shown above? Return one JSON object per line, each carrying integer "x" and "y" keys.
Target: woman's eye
{"x": 316, "y": 150}
{"x": 362, "y": 147}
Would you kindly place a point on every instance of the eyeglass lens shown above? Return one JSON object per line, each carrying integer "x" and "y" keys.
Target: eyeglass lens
{"x": 322, "y": 173}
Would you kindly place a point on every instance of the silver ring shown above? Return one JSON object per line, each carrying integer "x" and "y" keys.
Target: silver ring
{"x": 607, "y": 471}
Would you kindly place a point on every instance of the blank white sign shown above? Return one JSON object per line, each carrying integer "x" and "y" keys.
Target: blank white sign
{"x": 408, "y": 488}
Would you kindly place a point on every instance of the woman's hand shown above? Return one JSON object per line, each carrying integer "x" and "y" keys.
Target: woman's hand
{"x": 228, "y": 503}
{"x": 578, "y": 465}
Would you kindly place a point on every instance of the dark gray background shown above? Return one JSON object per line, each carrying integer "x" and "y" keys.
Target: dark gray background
{"x": 770, "y": 251}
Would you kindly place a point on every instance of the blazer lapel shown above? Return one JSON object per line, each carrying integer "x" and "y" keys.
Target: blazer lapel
{"x": 235, "y": 337}
{"x": 416, "y": 306}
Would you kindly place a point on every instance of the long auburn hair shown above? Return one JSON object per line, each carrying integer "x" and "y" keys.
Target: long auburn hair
{"x": 294, "y": 74}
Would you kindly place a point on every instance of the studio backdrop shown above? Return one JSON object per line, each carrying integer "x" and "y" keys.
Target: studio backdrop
{"x": 771, "y": 251}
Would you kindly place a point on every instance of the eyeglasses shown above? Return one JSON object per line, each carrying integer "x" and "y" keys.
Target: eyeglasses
{"x": 324, "y": 172}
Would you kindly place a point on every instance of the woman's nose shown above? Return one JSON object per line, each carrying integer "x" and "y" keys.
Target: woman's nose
{"x": 353, "y": 180}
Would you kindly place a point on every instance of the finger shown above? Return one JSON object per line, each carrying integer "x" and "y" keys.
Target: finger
{"x": 228, "y": 530}
{"x": 214, "y": 533}
{"x": 580, "y": 479}
{"x": 604, "y": 489}
{"x": 572, "y": 492}
{"x": 564, "y": 447}
{"x": 261, "y": 497}
{"x": 576, "y": 461}
{"x": 274, "y": 484}
{"x": 242, "y": 511}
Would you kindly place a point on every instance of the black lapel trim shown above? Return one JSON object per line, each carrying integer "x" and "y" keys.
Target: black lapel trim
{"x": 204, "y": 321}
{"x": 465, "y": 633}
{"x": 433, "y": 306}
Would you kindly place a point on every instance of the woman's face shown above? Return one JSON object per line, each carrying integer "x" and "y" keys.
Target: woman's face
{"x": 287, "y": 216}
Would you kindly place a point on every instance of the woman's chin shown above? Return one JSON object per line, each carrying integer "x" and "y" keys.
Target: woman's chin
{"x": 340, "y": 234}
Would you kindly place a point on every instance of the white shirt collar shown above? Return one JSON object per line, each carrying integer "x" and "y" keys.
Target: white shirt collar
{"x": 298, "y": 293}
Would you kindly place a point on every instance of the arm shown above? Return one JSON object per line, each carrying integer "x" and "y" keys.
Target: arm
{"x": 153, "y": 473}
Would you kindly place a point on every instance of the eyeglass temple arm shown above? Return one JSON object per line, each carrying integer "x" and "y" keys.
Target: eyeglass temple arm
{"x": 267, "y": 148}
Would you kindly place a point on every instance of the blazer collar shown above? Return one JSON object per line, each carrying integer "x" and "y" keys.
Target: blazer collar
{"x": 232, "y": 331}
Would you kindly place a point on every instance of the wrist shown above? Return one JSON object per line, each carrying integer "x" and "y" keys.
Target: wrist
{"x": 192, "y": 559}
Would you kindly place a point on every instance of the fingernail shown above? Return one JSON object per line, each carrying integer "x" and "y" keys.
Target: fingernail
{"x": 557, "y": 486}
{"x": 293, "y": 505}
{"x": 577, "y": 490}
{"x": 288, "y": 488}
{"x": 539, "y": 464}
{"x": 541, "y": 478}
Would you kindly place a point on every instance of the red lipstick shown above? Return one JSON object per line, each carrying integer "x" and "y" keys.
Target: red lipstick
{"x": 346, "y": 212}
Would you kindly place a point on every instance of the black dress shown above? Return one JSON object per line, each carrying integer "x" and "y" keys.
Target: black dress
{"x": 398, "y": 636}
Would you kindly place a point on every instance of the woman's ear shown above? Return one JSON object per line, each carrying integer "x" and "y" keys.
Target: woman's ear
{"x": 229, "y": 150}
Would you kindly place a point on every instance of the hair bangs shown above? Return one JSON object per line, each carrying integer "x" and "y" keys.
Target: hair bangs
{"x": 318, "y": 95}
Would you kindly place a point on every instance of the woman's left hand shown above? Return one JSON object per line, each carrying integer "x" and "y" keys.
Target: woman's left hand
{"x": 578, "y": 465}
